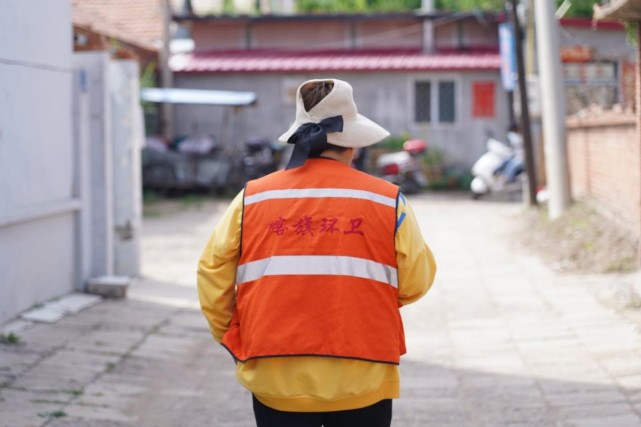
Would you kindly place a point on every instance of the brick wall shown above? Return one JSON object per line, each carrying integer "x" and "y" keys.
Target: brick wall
{"x": 604, "y": 156}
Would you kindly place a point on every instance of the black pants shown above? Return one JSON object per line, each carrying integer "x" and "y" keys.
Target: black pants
{"x": 377, "y": 415}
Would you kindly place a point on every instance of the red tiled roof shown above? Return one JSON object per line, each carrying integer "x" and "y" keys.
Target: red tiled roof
{"x": 341, "y": 60}
{"x": 139, "y": 22}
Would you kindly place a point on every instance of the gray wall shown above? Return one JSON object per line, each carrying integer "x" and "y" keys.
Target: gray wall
{"x": 37, "y": 206}
{"x": 387, "y": 98}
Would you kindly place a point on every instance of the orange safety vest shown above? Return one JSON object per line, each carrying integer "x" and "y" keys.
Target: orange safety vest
{"x": 317, "y": 275}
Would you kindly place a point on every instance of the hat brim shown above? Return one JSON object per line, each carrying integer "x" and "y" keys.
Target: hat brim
{"x": 357, "y": 132}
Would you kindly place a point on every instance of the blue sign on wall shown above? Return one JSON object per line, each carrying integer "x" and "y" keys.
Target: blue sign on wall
{"x": 508, "y": 56}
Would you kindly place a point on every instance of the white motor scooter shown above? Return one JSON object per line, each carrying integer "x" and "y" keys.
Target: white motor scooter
{"x": 498, "y": 168}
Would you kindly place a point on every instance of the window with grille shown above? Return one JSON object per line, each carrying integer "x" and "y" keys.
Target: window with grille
{"x": 423, "y": 101}
{"x": 446, "y": 102}
{"x": 441, "y": 94}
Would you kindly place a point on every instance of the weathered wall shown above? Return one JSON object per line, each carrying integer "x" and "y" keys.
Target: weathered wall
{"x": 609, "y": 46}
{"x": 607, "y": 43}
{"x": 330, "y": 33}
{"x": 387, "y": 98}
{"x": 37, "y": 206}
{"x": 469, "y": 34}
{"x": 605, "y": 165}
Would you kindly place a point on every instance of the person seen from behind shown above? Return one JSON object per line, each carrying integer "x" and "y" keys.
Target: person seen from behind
{"x": 303, "y": 277}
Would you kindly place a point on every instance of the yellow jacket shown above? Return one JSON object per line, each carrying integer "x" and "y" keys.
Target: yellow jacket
{"x": 309, "y": 384}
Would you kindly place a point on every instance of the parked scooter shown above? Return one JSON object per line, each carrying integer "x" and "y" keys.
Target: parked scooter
{"x": 196, "y": 162}
{"x": 260, "y": 157}
{"x": 499, "y": 168}
{"x": 403, "y": 168}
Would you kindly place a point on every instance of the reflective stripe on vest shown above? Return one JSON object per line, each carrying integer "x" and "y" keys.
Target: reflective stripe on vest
{"x": 320, "y": 193}
{"x": 317, "y": 265}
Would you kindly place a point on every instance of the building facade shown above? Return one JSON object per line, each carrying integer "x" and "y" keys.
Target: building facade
{"x": 38, "y": 203}
{"x": 598, "y": 64}
{"x": 435, "y": 77}
{"x": 70, "y": 128}
{"x": 444, "y": 88}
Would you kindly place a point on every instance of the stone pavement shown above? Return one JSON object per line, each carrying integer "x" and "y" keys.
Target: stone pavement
{"x": 500, "y": 340}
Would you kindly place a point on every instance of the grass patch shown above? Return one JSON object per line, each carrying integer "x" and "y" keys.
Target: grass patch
{"x": 151, "y": 213}
{"x": 581, "y": 240}
{"x": 92, "y": 405}
{"x": 10, "y": 339}
{"x": 190, "y": 200}
{"x": 154, "y": 207}
{"x": 149, "y": 197}
{"x": 52, "y": 414}
{"x": 54, "y": 402}
{"x": 634, "y": 303}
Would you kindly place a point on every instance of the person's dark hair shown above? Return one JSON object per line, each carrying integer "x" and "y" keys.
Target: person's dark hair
{"x": 312, "y": 93}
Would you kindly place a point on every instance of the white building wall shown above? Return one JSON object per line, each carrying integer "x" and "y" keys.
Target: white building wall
{"x": 127, "y": 134}
{"x": 37, "y": 204}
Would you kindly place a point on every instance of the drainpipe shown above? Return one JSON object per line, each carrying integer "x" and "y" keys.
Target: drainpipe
{"x": 427, "y": 8}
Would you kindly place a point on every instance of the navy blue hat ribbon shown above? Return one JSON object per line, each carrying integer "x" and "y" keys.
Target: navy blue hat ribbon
{"x": 312, "y": 136}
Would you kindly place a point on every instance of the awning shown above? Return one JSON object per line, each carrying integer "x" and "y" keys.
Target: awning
{"x": 197, "y": 96}
{"x": 357, "y": 60}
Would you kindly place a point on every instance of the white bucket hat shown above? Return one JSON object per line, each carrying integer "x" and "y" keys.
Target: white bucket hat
{"x": 358, "y": 130}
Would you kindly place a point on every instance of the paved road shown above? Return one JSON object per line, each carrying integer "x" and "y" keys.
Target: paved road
{"x": 501, "y": 340}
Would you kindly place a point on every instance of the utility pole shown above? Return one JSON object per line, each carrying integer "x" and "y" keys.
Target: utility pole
{"x": 532, "y": 73}
{"x": 552, "y": 107}
{"x": 525, "y": 110}
{"x": 166, "y": 77}
{"x": 427, "y": 8}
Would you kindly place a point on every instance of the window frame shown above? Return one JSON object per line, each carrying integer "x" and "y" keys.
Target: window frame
{"x": 434, "y": 81}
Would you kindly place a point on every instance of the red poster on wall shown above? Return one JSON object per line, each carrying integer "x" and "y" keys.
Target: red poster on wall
{"x": 483, "y": 102}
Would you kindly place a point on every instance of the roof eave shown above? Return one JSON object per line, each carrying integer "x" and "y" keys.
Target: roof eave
{"x": 130, "y": 41}
{"x": 417, "y": 15}
{"x": 346, "y": 70}
{"x": 624, "y": 10}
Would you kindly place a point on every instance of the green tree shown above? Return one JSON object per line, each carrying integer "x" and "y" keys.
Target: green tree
{"x": 467, "y": 5}
{"x": 357, "y": 5}
{"x": 578, "y": 8}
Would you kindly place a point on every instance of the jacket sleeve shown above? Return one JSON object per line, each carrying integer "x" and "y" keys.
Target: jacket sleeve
{"x": 217, "y": 270}
{"x": 416, "y": 265}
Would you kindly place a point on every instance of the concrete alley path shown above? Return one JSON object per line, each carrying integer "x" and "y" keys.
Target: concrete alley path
{"x": 500, "y": 340}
